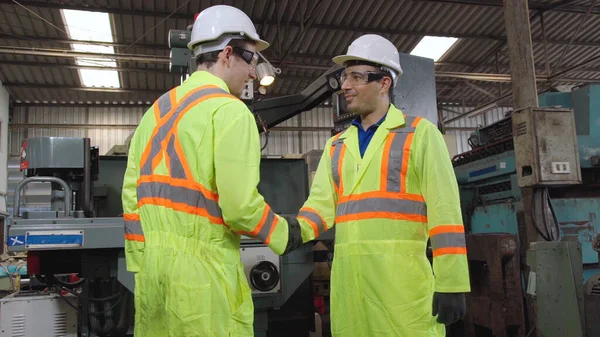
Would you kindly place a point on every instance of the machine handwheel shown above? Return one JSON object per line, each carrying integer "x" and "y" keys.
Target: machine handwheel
{"x": 264, "y": 276}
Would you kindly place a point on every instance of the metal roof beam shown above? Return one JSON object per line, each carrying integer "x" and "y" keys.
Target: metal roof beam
{"x": 365, "y": 30}
{"x": 58, "y": 40}
{"x": 76, "y": 67}
{"x": 560, "y": 7}
{"x": 93, "y": 89}
{"x": 72, "y": 54}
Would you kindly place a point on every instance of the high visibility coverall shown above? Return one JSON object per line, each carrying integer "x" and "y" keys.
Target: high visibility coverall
{"x": 189, "y": 193}
{"x": 385, "y": 207}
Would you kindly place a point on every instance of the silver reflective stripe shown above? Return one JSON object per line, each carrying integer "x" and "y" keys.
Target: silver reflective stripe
{"x": 133, "y": 227}
{"x": 382, "y": 205}
{"x": 448, "y": 240}
{"x": 395, "y": 158}
{"x": 168, "y": 125}
{"x": 335, "y": 159}
{"x": 407, "y": 127}
{"x": 178, "y": 194}
{"x": 164, "y": 104}
{"x": 263, "y": 234}
{"x": 177, "y": 170}
{"x": 396, "y": 155}
{"x": 315, "y": 218}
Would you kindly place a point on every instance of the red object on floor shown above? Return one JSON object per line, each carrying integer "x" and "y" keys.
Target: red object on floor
{"x": 74, "y": 278}
{"x": 320, "y": 304}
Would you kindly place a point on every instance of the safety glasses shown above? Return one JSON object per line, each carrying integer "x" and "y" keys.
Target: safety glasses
{"x": 361, "y": 77}
{"x": 249, "y": 57}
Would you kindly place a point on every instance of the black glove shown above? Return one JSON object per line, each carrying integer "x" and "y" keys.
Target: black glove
{"x": 450, "y": 307}
{"x": 295, "y": 234}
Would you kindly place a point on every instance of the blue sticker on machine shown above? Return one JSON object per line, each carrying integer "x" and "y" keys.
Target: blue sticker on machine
{"x": 16, "y": 240}
{"x": 482, "y": 171}
{"x": 56, "y": 239}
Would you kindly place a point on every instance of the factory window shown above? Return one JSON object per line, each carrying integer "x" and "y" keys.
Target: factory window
{"x": 94, "y": 28}
{"x": 433, "y": 47}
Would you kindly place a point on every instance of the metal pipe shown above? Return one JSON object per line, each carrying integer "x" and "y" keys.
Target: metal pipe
{"x": 483, "y": 108}
{"x": 95, "y": 89}
{"x": 87, "y": 178}
{"x": 65, "y": 186}
{"x": 47, "y": 39}
{"x": 71, "y": 54}
{"x": 575, "y": 67}
{"x": 490, "y": 77}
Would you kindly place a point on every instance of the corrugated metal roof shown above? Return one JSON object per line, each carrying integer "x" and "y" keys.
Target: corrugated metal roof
{"x": 309, "y": 33}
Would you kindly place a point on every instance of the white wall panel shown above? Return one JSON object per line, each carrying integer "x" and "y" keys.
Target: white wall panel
{"x": 300, "y": 142}
{"x": 120, "y": 122}
{"x": 462, "y": 136}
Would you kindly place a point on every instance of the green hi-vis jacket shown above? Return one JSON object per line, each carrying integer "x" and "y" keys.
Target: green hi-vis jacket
{"x": 385, "y": 207}
{"x": 189, "y": 193}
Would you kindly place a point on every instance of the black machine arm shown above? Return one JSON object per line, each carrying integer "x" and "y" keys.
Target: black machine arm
{"x": 273, "y": 111}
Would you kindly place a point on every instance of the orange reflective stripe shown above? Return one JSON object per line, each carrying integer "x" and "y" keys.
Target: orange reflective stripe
{"x": 163, "y": 101}
{"x": 446, "y": 229}
{"x": 166, "y": 125}
{"x": 416, "y": 122}
{"x": 265, "y": 226}
{"x": 405, "y": 158}
{"x": 171, "y": 135}
{"x": 192, "y": 185}
{"x": 448, "y": 239}
{"x": 135, "y": 237}
{"x": 337, "y": 161}
{"x": 131, "y": 217}
{"x": 314, "y": 219}
{"x": 449, "y": 251}
{"x": 275, "y": 222}
{"x": 340, "y": 166}
{"x": 381, "y": 215}
{"x": 181, "y": 207}
{"x": 385, "y": 160}
{"x": 174, "y": 194}
{"x": 396, "y": 156}
{"x": 182, "y": 157}
{"x": 133, "y": 227}
{"x": 385, "y": 195}
{"x": 334, "y": 156}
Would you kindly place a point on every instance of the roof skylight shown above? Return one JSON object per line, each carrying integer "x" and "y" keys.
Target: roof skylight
{"x": 433, "y": 47}
{"x": 92, "y": 26}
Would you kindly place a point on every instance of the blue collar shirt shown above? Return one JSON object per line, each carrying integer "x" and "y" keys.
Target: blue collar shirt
{"x": 365, "y": 136}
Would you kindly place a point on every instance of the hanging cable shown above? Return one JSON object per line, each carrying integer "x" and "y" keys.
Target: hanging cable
{"x": 263, "y": 125}
{"x": 532, "y": 211}
{"x": 553, "y": 213}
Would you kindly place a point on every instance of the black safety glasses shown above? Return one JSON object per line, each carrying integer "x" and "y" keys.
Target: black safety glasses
{"x": 249, "y": 57}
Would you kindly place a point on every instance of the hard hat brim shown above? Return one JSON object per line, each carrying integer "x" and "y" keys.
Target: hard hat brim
{"x": 341, "y": 59}
{"x": 260, "y": 44}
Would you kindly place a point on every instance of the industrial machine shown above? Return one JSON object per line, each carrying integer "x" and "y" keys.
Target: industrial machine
{"x": 550, "y": 154}
{"x": 82, "y": 233}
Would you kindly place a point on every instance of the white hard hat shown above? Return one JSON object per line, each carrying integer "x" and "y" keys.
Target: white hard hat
{"x": 215, "y": 26}
{"x": 374, "y": 49}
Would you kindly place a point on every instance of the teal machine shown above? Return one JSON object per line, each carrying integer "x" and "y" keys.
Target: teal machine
{"x": 554, "y": 151}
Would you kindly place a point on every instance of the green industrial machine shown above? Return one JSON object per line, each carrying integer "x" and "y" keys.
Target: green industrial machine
{"x": 551, "y": 153}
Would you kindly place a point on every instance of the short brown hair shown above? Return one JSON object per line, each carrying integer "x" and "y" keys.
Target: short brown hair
{"x": 209, "y": 59}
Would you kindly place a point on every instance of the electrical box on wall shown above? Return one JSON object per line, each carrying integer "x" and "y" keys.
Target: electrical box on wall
{"x": 546, "y": 147}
